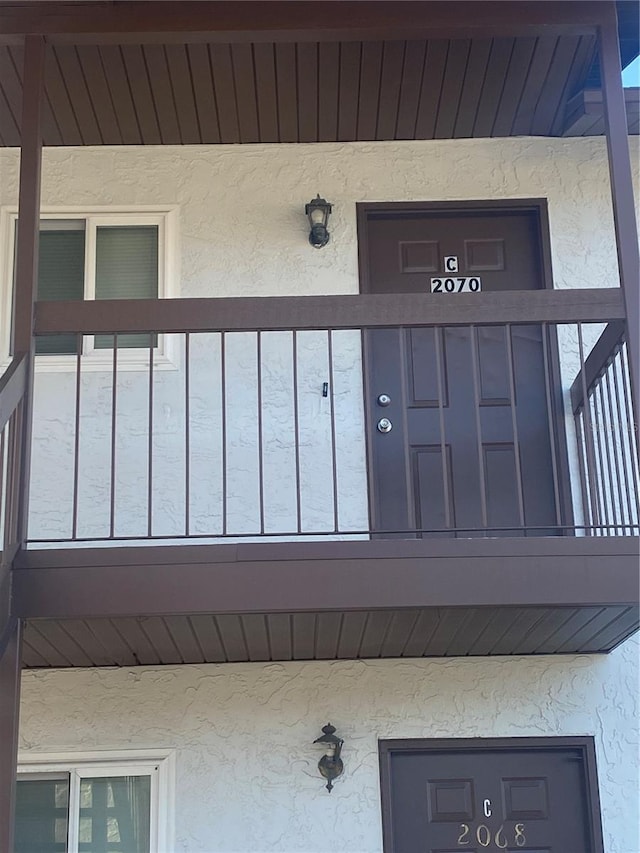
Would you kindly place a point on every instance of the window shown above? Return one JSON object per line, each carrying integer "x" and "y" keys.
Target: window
{"x": 91, "y": 806}
{"x": 100, "y": 255}
{"x": 125, "y": 267}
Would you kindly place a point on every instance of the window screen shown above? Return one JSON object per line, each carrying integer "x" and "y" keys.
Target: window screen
{"x": 126, "y": 268}
{"x": 60, "y": 275}
{"x": 42, "y": 807}
{"x": 112, "y": 814}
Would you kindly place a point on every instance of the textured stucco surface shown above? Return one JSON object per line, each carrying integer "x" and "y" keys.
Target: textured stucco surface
{"x": 246, "y": 775}
{"x": 241, "y": 231}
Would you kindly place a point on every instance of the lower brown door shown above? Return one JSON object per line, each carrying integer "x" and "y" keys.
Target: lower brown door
{"x": 460, "y": 418}
{"x": 535, "y": 795}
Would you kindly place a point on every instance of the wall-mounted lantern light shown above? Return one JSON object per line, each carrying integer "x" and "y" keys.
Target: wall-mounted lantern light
{"x": 330, "y": 765}
{"x": 318, "y": 211}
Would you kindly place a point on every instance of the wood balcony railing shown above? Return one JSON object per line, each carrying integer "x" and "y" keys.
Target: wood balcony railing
{"x": 245, "y": 419}
{"x": 607, "y": 436}
{"x": 13, "y": 389}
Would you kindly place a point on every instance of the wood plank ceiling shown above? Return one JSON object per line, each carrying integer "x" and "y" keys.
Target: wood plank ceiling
{"x": 432, "y": 632}
{"x": 313, "y": 92}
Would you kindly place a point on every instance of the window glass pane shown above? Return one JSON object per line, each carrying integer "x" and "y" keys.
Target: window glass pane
{"x": 117, "y": 817}
{"x": 41, "y": 816}
{"x": 126, "y": 268}
{"x": 60, "y": 274}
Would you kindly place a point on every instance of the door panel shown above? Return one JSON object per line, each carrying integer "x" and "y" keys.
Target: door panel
{"x": 471, "y": 446}
{"x": 406, "y": 249}
{"x": 484, "y": 798}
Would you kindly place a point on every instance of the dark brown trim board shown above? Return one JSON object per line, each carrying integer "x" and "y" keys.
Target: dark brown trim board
{"x": 10, "y": 671}
{"x": 136, "y": 22}
{"x": 23, "y": 340}
{"x": 273, "y": 313}
{"x": 583, "y": 745}
{"x": 297, "y": 577}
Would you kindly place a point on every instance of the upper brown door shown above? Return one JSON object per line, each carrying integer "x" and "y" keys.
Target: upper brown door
{"x": 475, "y": 798}
{"x": 470, "y": 445}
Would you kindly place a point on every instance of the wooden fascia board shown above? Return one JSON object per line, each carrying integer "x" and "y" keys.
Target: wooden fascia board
{"x": 575, "y": 572}
{"x": 299, "y": 20}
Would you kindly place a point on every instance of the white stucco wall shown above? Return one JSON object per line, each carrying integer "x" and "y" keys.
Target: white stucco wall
{"x": 246, "y": 778}
{"x": 241, "y": 231}
{"x": 242, "y": 224}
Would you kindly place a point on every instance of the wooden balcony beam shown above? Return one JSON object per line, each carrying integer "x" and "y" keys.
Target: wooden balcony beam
{"x": 309, "y": 20}
{"x": 327, "y": 312}
{"x": 299, "y": 577}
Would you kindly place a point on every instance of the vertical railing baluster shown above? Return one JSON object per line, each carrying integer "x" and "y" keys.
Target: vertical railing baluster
{"x": 546, "y": 359}
{"x": 625, "y": 450}
{"x": 223, "y": 404}
{"x": 332, "y": 413}
{"x": 439, "y": 348}
{"x": 187, "y": 433}
{"x": 6, "y": 480}
{"x": 260, "y": 438}
{"x": 2, "y": 487}
{"x": 514, "y": 424}
{"x": 18, "y": 456}
{"x": 599, "y": 459}
{"x": 604, "y": 442}
{"x": 114, "y": 396}
{"x": 150, "y": 446}
{"x": 13, "y": 474}
{"x": 588, "y": 432}
{"x": 583, "y": 467}
{"x": 76, "y": 442}
{"x": 476, "y": 406}
{"x": 611, "y": 440}
{"x": 296, "y": 428}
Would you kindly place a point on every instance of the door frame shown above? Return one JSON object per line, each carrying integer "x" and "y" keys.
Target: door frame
{"x": 539, "y": 206}
{"x": 583, "y": 744}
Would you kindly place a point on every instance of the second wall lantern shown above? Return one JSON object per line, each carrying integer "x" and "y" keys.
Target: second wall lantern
{"x": 318, "y": 211}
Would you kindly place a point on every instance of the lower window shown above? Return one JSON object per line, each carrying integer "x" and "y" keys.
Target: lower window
{"x": 82, "y": 807}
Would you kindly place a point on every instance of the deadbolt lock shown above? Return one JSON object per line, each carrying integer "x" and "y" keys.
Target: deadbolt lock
{"x": 383, "y": 399}
{"x": 384, "y": 425}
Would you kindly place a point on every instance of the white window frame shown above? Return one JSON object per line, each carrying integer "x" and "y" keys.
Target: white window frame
{"x": 159, "y": 764}
{"x": 165, "y": 217}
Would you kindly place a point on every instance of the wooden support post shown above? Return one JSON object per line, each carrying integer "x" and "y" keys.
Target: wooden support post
{"x": 27, "y": 255}
{"x": 23, "y": 343}
{"x": 624, "y": 216}
{"x": 10, "y": 666}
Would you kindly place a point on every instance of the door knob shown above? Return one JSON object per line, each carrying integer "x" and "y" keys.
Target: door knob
{"x": 383, "y": 399}
{"x": 384, "y": 425}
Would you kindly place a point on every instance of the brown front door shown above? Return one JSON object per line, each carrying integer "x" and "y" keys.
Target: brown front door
{"x": 535, "y": 795}
{"x": 470, "y": 445}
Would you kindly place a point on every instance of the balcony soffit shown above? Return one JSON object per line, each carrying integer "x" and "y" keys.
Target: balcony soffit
{"x": 328, "y": 91}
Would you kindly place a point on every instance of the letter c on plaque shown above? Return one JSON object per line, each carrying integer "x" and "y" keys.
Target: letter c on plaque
{"x": 487, "y": 808}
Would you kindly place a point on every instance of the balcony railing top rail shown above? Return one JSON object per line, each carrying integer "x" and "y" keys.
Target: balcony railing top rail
{"x": 323, "y": 312}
